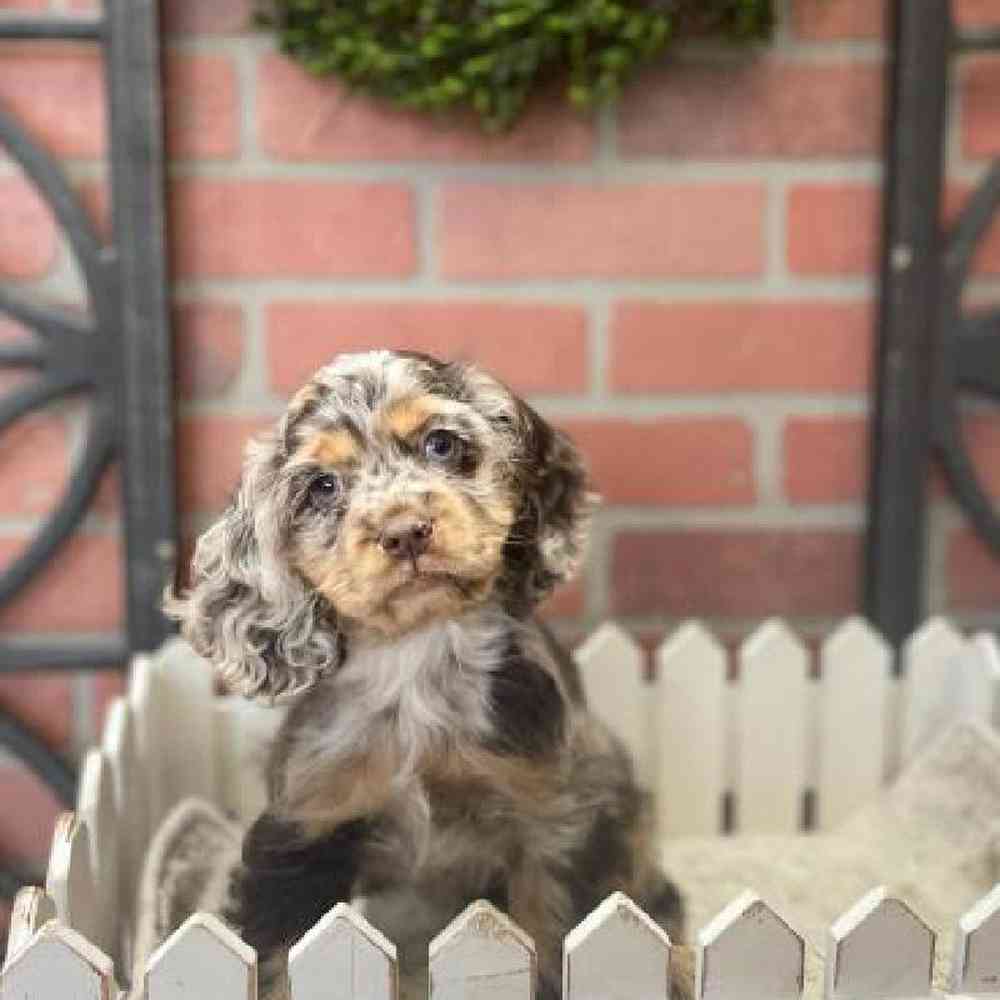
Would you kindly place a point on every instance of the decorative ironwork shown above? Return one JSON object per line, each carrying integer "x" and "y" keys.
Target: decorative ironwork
{"x": 117, "y": 356}
{"x": 930, "y": 351}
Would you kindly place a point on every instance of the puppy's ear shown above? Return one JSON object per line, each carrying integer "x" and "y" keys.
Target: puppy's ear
{"x": 558, "y": 505}
{"x": 267, "y": 633}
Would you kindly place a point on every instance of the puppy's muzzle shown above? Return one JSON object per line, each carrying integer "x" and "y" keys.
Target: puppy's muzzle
{"x": 406, "y": 538}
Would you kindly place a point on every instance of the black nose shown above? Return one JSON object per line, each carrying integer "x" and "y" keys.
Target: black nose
{"x": 407, "y": 540}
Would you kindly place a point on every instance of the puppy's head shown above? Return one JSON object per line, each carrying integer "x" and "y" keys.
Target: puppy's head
{"x": 396, "y": 490}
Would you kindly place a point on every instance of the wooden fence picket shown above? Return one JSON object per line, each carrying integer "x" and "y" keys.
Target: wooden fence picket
{"x": 749, "y": 953}
{"x": 482, "y": 955}
{"x": 70, "y": 880}
{"x": 144, "y": 700}
{"x": 855, "y": 666}
{"x": 59, "y": 963}
{"x": 975, "y": 968}
{"x": 187, "y": 686}
{"x": 129, "y": 790}
{"x": 689, "y": 732}
{"x": 928, "y": 702}
{"x": 32, "y": 908}
{"x": 774, "y": 669}
{"x": 343, "y": 958}
{"x": 878, "y": 948}
{"x": 975, "y": 684}
{"x": 242, "y": 732}
{"x": 95, "y": 807}
{"x": 616, "y": 953}
{"x": 203, "y": 958}
{"x": 613, "y": 669}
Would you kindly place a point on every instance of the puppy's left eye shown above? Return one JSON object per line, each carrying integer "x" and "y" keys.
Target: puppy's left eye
{"x": 442, "y": 446}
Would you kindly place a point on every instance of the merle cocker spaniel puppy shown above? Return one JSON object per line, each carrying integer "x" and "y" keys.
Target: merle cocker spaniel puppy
{"x": 379, "y": 567}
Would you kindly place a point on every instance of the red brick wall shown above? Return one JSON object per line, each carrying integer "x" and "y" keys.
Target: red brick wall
{"x": 686, "y": 285}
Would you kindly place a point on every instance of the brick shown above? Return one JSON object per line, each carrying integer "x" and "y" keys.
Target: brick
{"x": 623, "y": 231}
{"x": 96, "y": 201}
{"x": 260, "y": 229}
{"x": 853, "y": 20}
{"x": 43, "y": 702}
{"x": 740, "y": 573}
{"x": 685, "y": 460}
{"x": 107, "y": 499}
{"x": 535, "y": 348}
{"x": 332, "y": 124}
{"x": 34, "y": 465}
{"x": 78, "y": 591}
{"x": 568, "y": 601}
{"x": 833, "y": 229}
{"x": 826, "y": 459}
{"x": 27, "y": 231}
{"x": 976, "y": 13}
{"x": 986, "y": 260}
{"x": 26, "y": 831}
{"x": 196, "y": 17}
{"x": 699, "y": 347}
{"x": 981, "y": 434}
{"x": 24, "y": 5}
{"x": 756, "y": 109}
{"x": 56, "y": 92}
{"x": 980, "y": 117}
{"x": 202, "y": 107}
{"x": 973, "y": 574}
{"x": 210, "y": 457}
{"x": 822, "y": 21}
{"x": 208, "y": 340}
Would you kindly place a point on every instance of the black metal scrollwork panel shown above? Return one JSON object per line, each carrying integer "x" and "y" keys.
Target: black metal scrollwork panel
{"x": 117, "y": 358}
{"x": 932, "y": 354}
{"x": 970, "y": 358}
{"x": 71, "y": 356}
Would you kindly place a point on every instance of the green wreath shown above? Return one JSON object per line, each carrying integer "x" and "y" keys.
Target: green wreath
{"x": 490, "y": 55}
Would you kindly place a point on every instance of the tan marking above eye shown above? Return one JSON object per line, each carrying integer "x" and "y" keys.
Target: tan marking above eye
{"x": 329, "y": 448}
{"x": 405, "y": 417}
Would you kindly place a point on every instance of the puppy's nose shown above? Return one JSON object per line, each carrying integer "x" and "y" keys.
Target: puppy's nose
{"x": 407, "y": 539}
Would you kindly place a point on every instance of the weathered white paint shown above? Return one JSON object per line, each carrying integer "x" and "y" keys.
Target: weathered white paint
{"x": 343, "y": 958}
{"x": 773, "y": 680}
{"x": 243, "y": 732}
{"x": 879, "y": 948}
{"x": 749, "y": 953}
{"x": 70, "y": 880}
{"x": 975, "y": 965}
{"x": 129, "y": 790}
{"x": 855, "y": 665}
{"x": 977, "y": 680}
{"x": 32, "y": 908}
{"x": 144, "y": 701}
{"x": 59, "y": 964}
{"x": 929, "y": 692}
{"x": 187, "y": 685}
{"x": 689, "y": 732}
{"x": 616, "y": 953}
{"x": 482, "y": 955}
{"x": 613, "y": 669}
{"x": 95, "y": 807}
{"x": 202, "y": 959}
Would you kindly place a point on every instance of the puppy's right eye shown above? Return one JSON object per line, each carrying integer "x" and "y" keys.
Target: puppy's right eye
{"x": 324, "y": 489}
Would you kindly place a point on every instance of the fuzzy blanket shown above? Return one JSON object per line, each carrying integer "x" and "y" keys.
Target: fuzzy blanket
{"x": 931, "y": 838}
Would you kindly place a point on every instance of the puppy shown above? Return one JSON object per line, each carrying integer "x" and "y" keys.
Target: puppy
{"x": 379, "y": 567}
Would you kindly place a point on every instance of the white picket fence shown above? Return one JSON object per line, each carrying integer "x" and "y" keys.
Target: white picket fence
{"x": 760, "y": 742}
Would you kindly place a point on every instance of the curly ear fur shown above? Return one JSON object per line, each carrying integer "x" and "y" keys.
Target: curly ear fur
{"x": 550, "y": 536}
{"x": 267, "y": 633}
